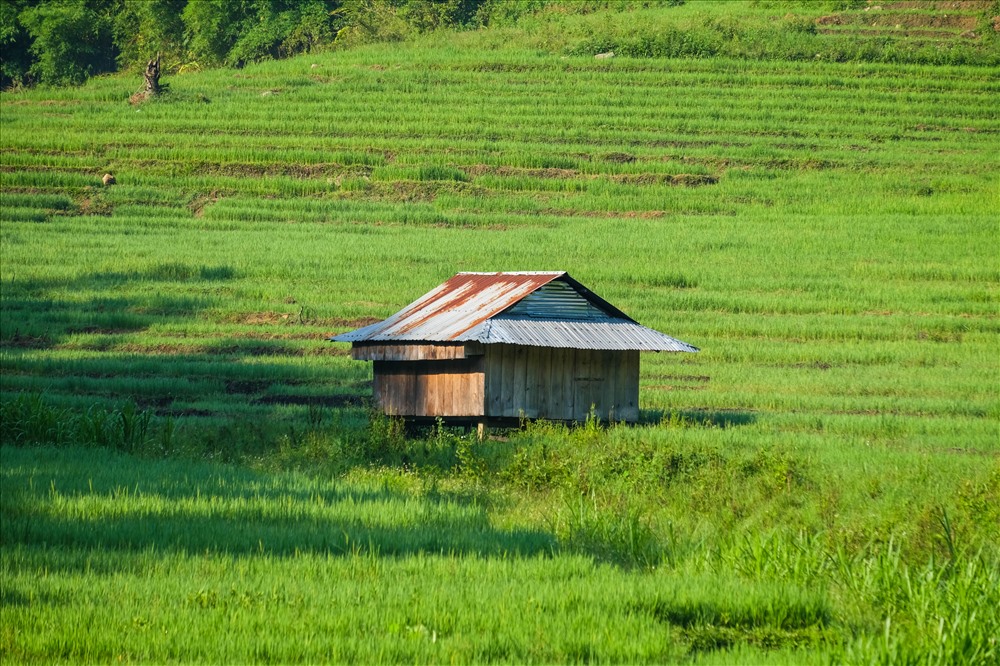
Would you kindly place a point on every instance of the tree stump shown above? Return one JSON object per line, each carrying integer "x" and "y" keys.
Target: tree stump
{"x": 152, "y": 86}
{"x": 152, "y": 76}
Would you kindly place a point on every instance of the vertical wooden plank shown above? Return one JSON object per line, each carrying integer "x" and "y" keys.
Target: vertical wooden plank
{"x": 416, "y": 400}
{"x": 628, "y": 385}
{"x": 504, "y": 372}
{"x": 405, "y": 395}
{"x": 528, "y": 396}
{"x": 520, "y": 379}
{"x": 449, "y": 379}
{"x": 581, "y": 404}
{"x": 581, "y": 385}
{"x": 472, "y": 401}
{"x": 378, "y": 384}
{"x": 395, "y": 388}
{"x": 593, "y": 383}
{"x": 390, "y": 387}
{"x": 494, "y": 379}
{"x": 612, "y": 379}
{"x": 560, "y": 408}
{"x": 555, "y": 385}
{"x": 569, "y": 384}
{"x": 425, "y": 395}
{"x": 605, "y": 385}
{"x": 542, "y": 381}
{"x": 477, "y": 393}
{"x": 597, "y": 383}
{"x": 412, "y": 402}
{"x": 418, "y": 397}
{"x": 465, "y": 388}
{"x": 442, "y": 389}
{"x": 507, "y": 385}
{"x": 459, "y": 383}
{"x": 435, "y": 389}
{"x": 630, "y": 389}
{"x": 508, "y": 389}
{"x": 433, "y": 395}
{"x": 400, "y": 389}
{"x": 386, "y": 387}
{"x": 616, "y": 366}
{"x": 616, "y": 360}
{"x": 531, "y": 361}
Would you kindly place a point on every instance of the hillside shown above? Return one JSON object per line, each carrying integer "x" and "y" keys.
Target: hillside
{"x": 820, "y": 483}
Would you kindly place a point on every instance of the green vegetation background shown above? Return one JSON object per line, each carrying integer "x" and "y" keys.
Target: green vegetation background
{"x": 190, "y": 472}
{"x": 67, "y": 41}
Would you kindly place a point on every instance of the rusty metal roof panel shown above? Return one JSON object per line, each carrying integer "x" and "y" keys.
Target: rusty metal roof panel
{"x": 444, "y": 313}
{"x": 608, "y": 335}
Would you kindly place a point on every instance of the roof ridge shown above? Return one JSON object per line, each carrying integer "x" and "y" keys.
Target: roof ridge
{"x": 511, "y": 273}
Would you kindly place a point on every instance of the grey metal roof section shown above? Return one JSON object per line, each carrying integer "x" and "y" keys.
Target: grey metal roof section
{"x": 546, "y": 309}
{"x": 609, "y": 334}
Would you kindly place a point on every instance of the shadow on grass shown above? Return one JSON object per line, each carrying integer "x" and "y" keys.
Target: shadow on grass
{"x": 100, "y": 500}
{"x": 160, "y": 337}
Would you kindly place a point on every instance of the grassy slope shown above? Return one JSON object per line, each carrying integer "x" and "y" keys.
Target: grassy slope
{"x": 839, "y": 428}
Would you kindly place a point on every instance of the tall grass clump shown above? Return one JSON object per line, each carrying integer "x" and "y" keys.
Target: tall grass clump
{"x": 941, "y": 612}
{"x": 29, "y": 420}
{"x": 613, "y": 534}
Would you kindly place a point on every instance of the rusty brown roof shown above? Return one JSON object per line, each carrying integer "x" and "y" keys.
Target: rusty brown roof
{"x": 454, "y": 307}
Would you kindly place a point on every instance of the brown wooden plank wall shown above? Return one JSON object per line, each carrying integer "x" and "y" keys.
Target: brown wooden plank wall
{"x": 561, "y": 384}
{"x": 430, "y": 388}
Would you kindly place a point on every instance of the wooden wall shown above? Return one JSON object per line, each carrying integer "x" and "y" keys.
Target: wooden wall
{"x": 508, "y": 381}
{"x": 430, "y": 388}
{"x": 437, "y": 351}
{"x": 561, "y": 384}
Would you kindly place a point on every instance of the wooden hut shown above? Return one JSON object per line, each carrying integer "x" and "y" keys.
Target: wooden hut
{"x": 491, "y": 348}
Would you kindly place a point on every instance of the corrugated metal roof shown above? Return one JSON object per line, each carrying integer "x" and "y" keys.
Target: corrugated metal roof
{"x": 548, "y": 309}
{"x": 610, "y": 335}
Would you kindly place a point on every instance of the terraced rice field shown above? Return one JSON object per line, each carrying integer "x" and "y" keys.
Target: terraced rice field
{"x": 825, "y": 232}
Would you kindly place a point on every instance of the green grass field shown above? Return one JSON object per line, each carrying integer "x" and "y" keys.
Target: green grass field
{"x": 190, "y": 472}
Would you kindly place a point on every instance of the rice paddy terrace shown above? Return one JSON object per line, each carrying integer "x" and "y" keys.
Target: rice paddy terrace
{"x": 826, "y": 233}
{"x": 823, "y": 231}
